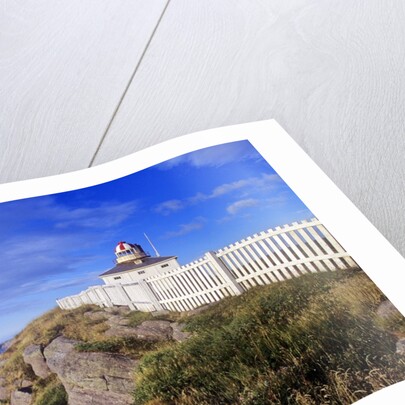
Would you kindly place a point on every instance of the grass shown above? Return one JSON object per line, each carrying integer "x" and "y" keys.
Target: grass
{"x": 74, "y": 325}
{"x": 315, "y": 339}
{"x": 50, "y": 392}
{"x": 129, "y": 346}
{"x": 137, "y": 317}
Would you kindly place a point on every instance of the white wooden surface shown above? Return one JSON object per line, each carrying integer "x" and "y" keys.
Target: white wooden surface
{"x": 63, "y": 68}
{"x": 86, "y": 82}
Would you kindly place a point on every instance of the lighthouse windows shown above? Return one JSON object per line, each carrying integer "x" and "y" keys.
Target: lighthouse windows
{"x": 124, "y": 253}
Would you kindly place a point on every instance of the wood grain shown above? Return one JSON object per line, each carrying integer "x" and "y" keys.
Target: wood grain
{"x": 330, "y": 72}
{"x": 63, "y": 68}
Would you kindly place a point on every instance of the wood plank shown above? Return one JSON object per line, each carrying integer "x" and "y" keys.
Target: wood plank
{"x": 321, "y": 242}
{"x": 64, "y": 66}
{"x": 330, "y": 72}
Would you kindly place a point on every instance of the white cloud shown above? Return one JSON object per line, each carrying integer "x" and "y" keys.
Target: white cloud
{"x": 251, "y": 184}
{"x": 51, "y": 285}
{"x": 102, "y": 216}
{"x": 93, "y": 215}
{"x": 184, "y": 229}
{"x": 169, "y": 206}
{"x": 31, "y": 259}
{"x": 237, "y": 206}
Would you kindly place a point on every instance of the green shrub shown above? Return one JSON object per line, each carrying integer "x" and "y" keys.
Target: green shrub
{"x": 53, "y": 395}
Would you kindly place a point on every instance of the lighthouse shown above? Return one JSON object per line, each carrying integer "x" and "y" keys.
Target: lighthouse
{"x": 128, "y": 252}
{"x": 133, "y": 264}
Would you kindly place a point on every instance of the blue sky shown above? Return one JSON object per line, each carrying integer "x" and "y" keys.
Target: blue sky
{"x": 57, "y": 245}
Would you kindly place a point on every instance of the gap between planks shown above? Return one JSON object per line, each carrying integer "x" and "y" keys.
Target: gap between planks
{"x": 138, "y": 64}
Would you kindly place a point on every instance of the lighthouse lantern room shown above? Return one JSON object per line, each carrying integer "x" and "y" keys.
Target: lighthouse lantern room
{"x": 127, "y": 252}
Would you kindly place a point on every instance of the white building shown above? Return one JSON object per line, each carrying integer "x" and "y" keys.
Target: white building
{"x": 133, "y": 264}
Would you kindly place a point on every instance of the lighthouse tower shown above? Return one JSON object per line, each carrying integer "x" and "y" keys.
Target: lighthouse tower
{"x": 133, "y": 264}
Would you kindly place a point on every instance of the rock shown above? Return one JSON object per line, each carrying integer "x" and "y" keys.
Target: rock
{"x": 93, "y": 397}
{"x": 4, "y": 394}
{"x": 96, "y": 316}
{"x": 26, "y": 384}
{"x": 178, "y": 333}
{"x": 118, "y": 310}
{"x": 148, "y": 330}
{"x": 115, "y": 320}
{"x": 401, "y": 346}
{"x": 121, "y": 331}
{"x": 154, "y": 330}
{"x": 91, "y": 378}
{"x": 21, "y": 397}
{"x": 387, "y": 310}
{"x": 34, "y": 357}
{"x": 4, "y": 391}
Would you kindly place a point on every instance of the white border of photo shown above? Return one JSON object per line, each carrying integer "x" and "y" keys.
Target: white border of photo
{"x": 368, "y": 247}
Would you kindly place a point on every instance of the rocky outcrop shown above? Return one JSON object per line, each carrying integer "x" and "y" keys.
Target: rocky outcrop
{"x": 119, "y": 320}
{"x": 34, "y": 357}
{"x": 96, "y": 316}
{"x": 118, "y": 310}
{"x": 178, "y": 333}
{"x": 26, "y": 384}
{"x": 91, "y": 378}
{"x": 21, "y": 397}
{"x": 153, "y": 330}
{"x": 4, "y": 390}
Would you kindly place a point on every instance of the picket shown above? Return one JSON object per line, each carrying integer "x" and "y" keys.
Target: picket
{"x": 267, "y": 257}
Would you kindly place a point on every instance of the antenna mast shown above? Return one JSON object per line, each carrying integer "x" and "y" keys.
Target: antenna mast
{"x": 153, "y": 247}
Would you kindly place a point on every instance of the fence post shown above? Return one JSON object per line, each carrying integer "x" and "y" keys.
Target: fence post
{"x": 224, "y": 272}
{"x": 151, "y": 295}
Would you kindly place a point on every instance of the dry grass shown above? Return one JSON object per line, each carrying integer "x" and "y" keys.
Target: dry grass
{"x": 315, "y": 339}
{"x": 42, "y": 331}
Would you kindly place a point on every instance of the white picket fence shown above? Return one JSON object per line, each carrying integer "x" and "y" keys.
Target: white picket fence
{"x": 268, "y": 257}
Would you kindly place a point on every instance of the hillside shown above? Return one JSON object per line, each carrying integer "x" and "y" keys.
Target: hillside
{"x": 328, "y": 338}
